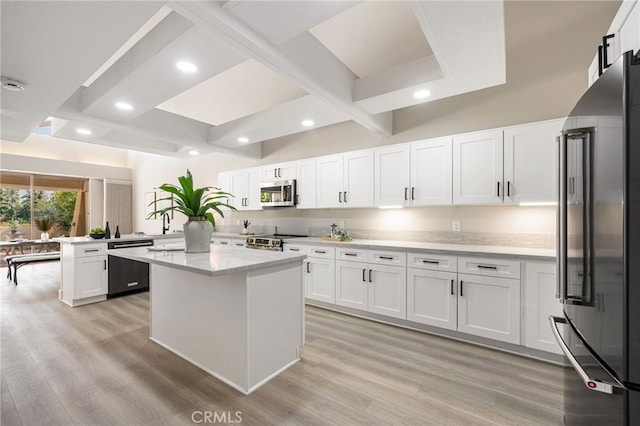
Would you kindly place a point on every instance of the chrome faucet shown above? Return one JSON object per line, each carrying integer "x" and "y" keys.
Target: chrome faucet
{"x": 165, "y": 228}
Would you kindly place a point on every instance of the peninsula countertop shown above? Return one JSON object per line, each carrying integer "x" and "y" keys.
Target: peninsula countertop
{"x": 220, "y": 261}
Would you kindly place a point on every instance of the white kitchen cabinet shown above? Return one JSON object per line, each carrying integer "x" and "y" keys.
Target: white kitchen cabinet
{"x": 306, "y": 184}
{"x": 530, "y": 165}
{"x": 415, "y": 174}
{"x": 245, "y": 186}
{"x": 345, "y": 180}
{"x": 378, "y": 285}
{"x": 539, "y": 304}
{"x": 478, "y": 168}
{"x": 279, "y": 171}
{"x": 84, "y": 273}
{"x": 489, "y": 305}
{"x": 319, "y": 271}
{"x": 431, "y": 172}
{"x": 392, "y": 175}
{"x": 432, "y": 284}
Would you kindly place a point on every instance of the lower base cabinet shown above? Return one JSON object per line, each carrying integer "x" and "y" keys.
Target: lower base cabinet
{"x": 373, "y": 287}
{"x": 432, "y": 298}
{"x": 489, "y": 307}
{"x": 319, "y": 279}
{"x": 539, "y": 303}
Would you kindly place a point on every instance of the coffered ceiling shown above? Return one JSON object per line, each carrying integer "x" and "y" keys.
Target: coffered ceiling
{"x": 262, "y": 67}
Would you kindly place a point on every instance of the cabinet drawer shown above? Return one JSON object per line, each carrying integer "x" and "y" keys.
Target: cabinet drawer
{"x": 490, "y": 267}
{"x": 436, "y": 262}
{"x": 387, "y": 258}
{"x": 350, "y": 254}
{"x": 321, "y": 251}
{"x": 292, "y": 248}
{"x": 85, "y": 250}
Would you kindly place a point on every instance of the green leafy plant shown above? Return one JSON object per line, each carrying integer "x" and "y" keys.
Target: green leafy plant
{"x": 45, "y": 224}
{"x": 193, "y": 202}
{"x": 246, "y": 223}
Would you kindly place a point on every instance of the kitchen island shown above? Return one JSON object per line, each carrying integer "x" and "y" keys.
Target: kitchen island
{"x": 238, "y": 314}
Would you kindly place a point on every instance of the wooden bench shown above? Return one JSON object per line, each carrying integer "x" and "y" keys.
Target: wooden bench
{"x": 18, "y": 260}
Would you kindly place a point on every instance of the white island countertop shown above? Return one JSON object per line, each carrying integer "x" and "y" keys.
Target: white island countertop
{"x": 220, "y": 261}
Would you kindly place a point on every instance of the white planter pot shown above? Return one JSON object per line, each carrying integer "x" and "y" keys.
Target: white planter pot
{"x": 44, "y": 236}
{"x": 197, "y": 235}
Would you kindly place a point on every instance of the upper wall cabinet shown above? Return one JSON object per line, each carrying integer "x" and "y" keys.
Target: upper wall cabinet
{"x": 280, "y": 171}
{"x": 306, "y": 184}
{"x": 417, "y": 174}
{"x": 345, "y": 180}
{"x": 477, "y": 168}
{"x": 244, "y": 185}
{"x": 530, "y": 165}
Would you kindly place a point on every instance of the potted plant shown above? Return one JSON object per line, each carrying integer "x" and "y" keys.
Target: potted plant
{"x": 44, "y": 225}
{"x": 198, "y": 204}
{"x": 245, "y": 226}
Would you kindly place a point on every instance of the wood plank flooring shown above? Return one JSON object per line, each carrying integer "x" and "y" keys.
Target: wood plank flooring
{"x": 94, "y": 365}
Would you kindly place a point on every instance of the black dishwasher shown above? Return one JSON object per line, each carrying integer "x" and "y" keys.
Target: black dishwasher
{"x": 127, "y": 276}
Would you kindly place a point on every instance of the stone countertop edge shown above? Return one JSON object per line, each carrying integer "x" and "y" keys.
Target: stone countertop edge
{"x": 233, "y": 260}
{"x": 516, "y": 252}
{"x": 173, "y": 235}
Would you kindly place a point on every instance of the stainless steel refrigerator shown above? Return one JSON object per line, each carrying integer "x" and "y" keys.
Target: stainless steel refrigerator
{"x": 599, "y": 250}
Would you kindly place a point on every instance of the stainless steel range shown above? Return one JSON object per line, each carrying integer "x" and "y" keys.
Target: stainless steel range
{"x": 273, "y": 242}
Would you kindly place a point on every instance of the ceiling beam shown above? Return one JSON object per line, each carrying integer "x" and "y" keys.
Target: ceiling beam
{"x": 213, "y": 18}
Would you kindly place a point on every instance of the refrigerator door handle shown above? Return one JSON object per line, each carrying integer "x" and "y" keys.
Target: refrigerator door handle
{"x": 592, "y": 384}
{"x": 561, "y": 220}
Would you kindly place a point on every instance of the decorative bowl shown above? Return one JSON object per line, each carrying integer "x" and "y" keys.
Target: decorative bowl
{"x": 97, "y": 236}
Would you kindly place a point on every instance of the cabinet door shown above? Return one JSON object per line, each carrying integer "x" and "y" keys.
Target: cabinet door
{"x": 254, "y": 178}
{"x": 306, "y": 184}
{"x": 329, "y": 181}
{"x": 224, "y": 183}
{"x": 391, "y": 170}
{"x": 358, "y": 179}
{"x": 387, "y": 290}
{"x": 320, "y": 279}
{"x": 351, "y": 284}
{"x": 431, "y": 172}
{"x": 539, "y": 303}
{"x": 432, "y": 298}
{"x": 489, "y": 307}
{"x": 280, "y": 171}
{"x": 90, "y": 277}
{"x": 530, "y": 162}
{"x": 239, "y": 186}
{"x": 477, "y": 168}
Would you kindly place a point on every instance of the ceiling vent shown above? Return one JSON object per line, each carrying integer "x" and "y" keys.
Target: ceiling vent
{"x": 13, "y": 85}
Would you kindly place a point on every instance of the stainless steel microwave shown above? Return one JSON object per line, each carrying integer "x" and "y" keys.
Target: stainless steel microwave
{"x": 278, "y": 194}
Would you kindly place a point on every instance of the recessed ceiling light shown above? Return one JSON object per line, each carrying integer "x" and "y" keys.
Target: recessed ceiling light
{"x": 421, "y": 94}
{"x": 307, "y": 123}
{"x": 243, "y": 139}
{"x": 13, "y": 85}
{"x": 186, "y": 66}
{"x": 193, "y": 152}
{"x": 124, "y": 106}
{"x": 83, "y": 131}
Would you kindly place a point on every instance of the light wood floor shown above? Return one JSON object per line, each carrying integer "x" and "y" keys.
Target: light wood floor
{"x": 96, "y": 365}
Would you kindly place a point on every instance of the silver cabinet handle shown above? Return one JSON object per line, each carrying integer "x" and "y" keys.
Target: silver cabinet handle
{"x": 405, "y": 193}
{"x": 386, "y": 257}
{"x": 508, "y": 188}
{"x": 592, "y": 384}
{"x": 132, "y": 284}
{"x": 340, "y": 197}
{"x": 275, "y": 173}
{"x": 370, "y": 275}
{"x": 105, "y": 265}
{"x": 498, "y": 189}
{"x": 433, "y": 262}
{"x": 308, "y": 267}
{"x": 364, "y": 271}
{"x": 413, "y": 192}
{"x": 461, "y": 292}
{"x": 279, "y": 172}
{"x": 90, "y": 250}
{"x": 345, "y": 196}
{"x": 452, "y": 281}
{"x": 351, "y": 254}
{"x": 320, "y": 251}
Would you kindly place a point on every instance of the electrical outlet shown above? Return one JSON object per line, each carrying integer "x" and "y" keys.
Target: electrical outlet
{"x": 455, "y": 226}
{"x": 341, "y": 224}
